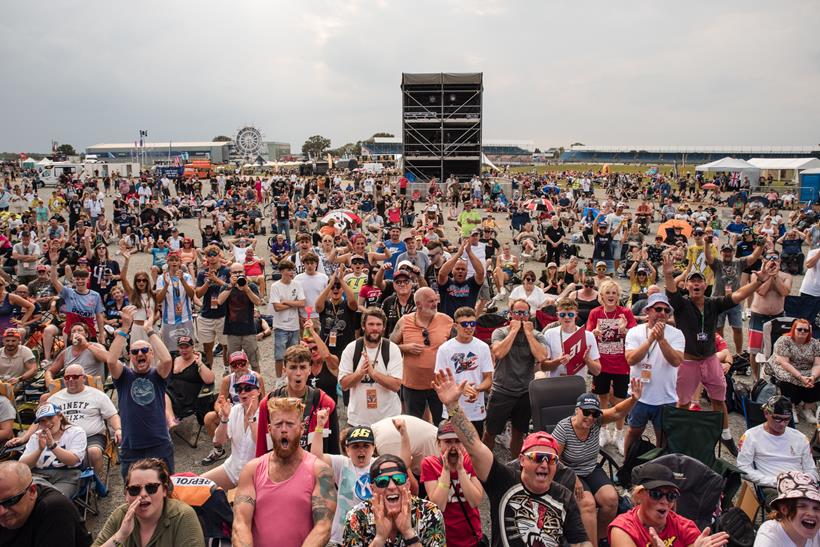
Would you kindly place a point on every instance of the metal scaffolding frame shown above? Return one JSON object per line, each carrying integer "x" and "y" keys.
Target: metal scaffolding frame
{"x": 441, "y": 125}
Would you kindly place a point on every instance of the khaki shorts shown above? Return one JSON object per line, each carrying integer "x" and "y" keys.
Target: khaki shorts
{"x": 209, "y": 330}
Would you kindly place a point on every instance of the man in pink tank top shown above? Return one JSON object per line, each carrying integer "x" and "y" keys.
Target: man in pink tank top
{"x": 285, "y": 497}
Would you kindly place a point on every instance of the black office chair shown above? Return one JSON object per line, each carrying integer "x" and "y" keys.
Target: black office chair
{"x": 553, "y": 399}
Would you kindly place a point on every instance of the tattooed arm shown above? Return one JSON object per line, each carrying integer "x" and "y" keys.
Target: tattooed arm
{"x": 323, "y": 503}
{"x": 243, "y": 506}
{"x": 449, "y": 393}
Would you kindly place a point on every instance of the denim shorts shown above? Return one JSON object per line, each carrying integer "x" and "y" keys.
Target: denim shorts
{"x": 282, "y": 340}
{"x": 735, "y": 317}
{"x": 642, "y": 413}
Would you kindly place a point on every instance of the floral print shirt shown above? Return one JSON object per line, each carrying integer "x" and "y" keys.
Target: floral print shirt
{"x": 425, "y": 517}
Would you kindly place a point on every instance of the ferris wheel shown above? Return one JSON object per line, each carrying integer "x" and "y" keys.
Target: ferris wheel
{"x": 248, "y": 141}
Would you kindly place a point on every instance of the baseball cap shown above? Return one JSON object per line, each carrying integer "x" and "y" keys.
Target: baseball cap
{"x": 446, "y": 430}
{"x": 475, "y": 232}
{"x": 777, "y": 404}
{"x": 12, "y": 332}
{"x": 726, "y": 247}
{"x": 238, "y": 356}
{"x": 588, "y": 401}
{"x": 698, "y": 231}
{"x": 600, "y": 263}
{"x": 694, "y": 274}
{"x": 386, "y": 463}
{"x": 362, "y": 434}
{"x": 603, "y": 225}
{"x": 408, "y": 237}
{"x": 656, "y": 298}
{"x": 401, "y": 273}
{"x": 247, "y": 379}
{"x": 539, "y": 438}
{"x": 357, "y": 257}
{"x": 42, "y": 268}
{"x": 653, "y": 475}
{"x": 185, "y": 341}
{"x": 46, "y": 411}
{"x": 405, "y": 264}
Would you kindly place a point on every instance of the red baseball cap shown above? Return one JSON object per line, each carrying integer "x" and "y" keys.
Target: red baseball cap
{"x": 539, "y": 438}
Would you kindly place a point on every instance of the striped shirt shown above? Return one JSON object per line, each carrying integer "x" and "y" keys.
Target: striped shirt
{"x": 176, "y": 308}
{"x": 580, "y": 456}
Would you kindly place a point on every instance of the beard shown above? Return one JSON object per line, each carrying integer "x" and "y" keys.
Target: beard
{"x": 285, "y": 452}
{"x": 373, "y": 337}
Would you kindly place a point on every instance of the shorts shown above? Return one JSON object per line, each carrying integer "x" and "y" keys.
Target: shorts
{"x": 210, "y": 330}
{"x": 283, "y": 339}
{"x": 618, "y": 382}
{"x": 756, "y": 322}
{"x": 596, "y": 480}
{"x": 99, "y": 440}
{"x": 484, "y": 291}
{"x": 501, "y": 408}
{"x": 708, "y": 372}
{"x": 642, "y": 413}
{"x": 735, "y": 317}
{"x": 616, "y": 249}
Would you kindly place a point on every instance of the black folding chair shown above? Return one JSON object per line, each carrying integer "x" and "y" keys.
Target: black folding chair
{"x": 204, "y": 403}
{"x": 553, "y": 399}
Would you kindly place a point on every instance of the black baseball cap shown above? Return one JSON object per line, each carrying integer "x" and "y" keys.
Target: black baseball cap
{"x": 653, "y": 475}
{"x": 362, "y": 434}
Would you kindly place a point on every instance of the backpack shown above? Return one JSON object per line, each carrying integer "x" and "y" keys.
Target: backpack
{"x": 636, "y": 449}
{"x": 737, "y": 524}
{"x": 762, "y": 390}
{"x": 357, "y": 356}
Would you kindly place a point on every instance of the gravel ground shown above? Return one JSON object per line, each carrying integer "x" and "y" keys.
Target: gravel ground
{"x": 187, "y": 458}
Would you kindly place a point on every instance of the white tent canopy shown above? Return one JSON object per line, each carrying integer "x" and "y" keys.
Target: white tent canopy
{"x": 45, "y": 161}
{"x": 782, "y": 166}
{"x": 733, "y": 165}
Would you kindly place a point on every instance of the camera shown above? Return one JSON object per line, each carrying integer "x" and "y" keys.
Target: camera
{"x": 241, "y": 281}
{"x": 760, "y": 241}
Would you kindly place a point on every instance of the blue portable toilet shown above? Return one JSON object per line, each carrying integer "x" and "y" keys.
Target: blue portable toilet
{"x": 809, "y": 185}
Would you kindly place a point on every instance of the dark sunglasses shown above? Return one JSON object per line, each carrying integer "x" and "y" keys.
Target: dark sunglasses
{"x": 426, "y": 335}
{"x": 541, "y": 457}
{"x": 590, "y": 412}
{"x": 781, "y": 419}
{"x": 73, "y": 376}
{"x": 150, "y": 488}
{"x": 520, "y": 313}
{"x": 14, "y": 500}
{"x": 141, "y": 281}
{"x": 402, "y": 281}
{"x": 530, "y": 279}
{"x": 468, "y": 324}
{"x": 658, "y": 495}
{"x": 563, "y": 314}
{"x": 661, "y": 309}
{"x": 772, "y": 257}
{"x": 383, "y": 481}
{"x": 238, "y": 364}
{"x": 212, "y": 253}
{"x": 137, "y": 351}
{"x": 801, "y": 329}
{"x": 245, "y": 388}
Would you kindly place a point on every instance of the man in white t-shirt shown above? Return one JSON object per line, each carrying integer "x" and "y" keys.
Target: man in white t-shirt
{"x": 373, "y": 383}
{"x": 653, "y": 350}
{"x": 581, "y": 358}
{"x": 313, "y": 283}
{"x": 287, "y": 300}
{"x": 469, "y": 359}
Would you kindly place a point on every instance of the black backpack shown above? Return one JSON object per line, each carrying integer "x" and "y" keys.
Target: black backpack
{"x": 357, "y": 356}
{"x": 738, "y": 525}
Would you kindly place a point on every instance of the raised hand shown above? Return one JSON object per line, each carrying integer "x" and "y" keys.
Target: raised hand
{"x": 321, "y": 417}
{"x": 402, "y": 519}
{"x": 637, "y": 388}
{"x": 384, "y": 524}
{"x": 127, "y": 524}
{"x": 447, "y": 389}
{"x": 400, "y": 426}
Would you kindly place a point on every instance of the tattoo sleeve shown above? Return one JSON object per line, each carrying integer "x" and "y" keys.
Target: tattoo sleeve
{"x": 464, "y": 428}
{"x": 244, "y": 499}
{"x": 323, "y": 504}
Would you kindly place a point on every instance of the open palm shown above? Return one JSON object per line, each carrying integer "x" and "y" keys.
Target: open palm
{"x": 447, "y": 389}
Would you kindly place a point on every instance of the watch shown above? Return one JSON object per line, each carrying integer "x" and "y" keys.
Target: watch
{"x": 52, "y": 446}
{"x": 412, "y": 541}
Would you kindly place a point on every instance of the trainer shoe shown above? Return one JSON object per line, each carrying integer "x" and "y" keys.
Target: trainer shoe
{"x": 604, "y": 437}
{"x": 216, "y": 454}
{"x": 619, "y": 441}
{"x": 809, "y": 415}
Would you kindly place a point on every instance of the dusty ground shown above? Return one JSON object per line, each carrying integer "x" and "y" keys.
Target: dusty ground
{"x": 187, "y": 459}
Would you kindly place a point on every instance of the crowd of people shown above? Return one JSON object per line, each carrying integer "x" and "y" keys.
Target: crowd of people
{"x": 406, "y": 329}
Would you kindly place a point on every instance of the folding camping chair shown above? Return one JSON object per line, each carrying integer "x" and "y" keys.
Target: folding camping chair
{"x": 204, "y": 403}
{"x": 553, "y": 399}
{"x": 91, "y": 488}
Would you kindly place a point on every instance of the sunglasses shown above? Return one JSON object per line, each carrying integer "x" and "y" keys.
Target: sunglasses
{"x": 14, "y": 500}
{"x": 383, "y": 481}
{"x": 590, "y": 412}
{"x": 563, "y": 314}
{"x": 245, "y": 388}
{"x": 137, "y": 351}
{"x": 426, "y": 335}
{"x": 468, "y": 324}
{"x": 661, "y": 309}
{"x": 357, "y": 261}
{"x": 529, "y": 279}
{"x": 238, "y": 364}
{"x": 212, "y": 254}
{"x": 601, "y": 268}
{"x": 520, "y": 313}
{"x": 658, "y": 495}
{"x": 541, "y": 457}
{"x": 781, "y": 419}
{"x": 772, "y": 257}
{"x": 73, "y": 376}
{"x": 150, "y": 488}
{"x": 801, "y": 329}
{"x": 402, "y": 281}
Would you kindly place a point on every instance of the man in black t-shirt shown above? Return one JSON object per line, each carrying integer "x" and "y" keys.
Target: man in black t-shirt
{"x": 555, "y": 240}
{"x": 528, "y": 507}
{"x": 460, "y": 290}
{"x": 283, "y": 216}
{"x": 34, "y": 514}
{"x": 602, "y": 245}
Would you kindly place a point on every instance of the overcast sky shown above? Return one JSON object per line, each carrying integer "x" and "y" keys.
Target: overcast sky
{"x": 650, "y": 72}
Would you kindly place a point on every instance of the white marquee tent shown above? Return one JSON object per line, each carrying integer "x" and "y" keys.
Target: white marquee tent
{"x": 784, "y": 168}
{"x": 733, "y": 165}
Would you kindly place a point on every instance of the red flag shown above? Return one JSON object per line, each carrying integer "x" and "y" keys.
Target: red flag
{"x": 23, "y": 155}
{"x": 576, "y": 347}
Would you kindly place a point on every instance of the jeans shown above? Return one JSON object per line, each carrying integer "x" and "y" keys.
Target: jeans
{"x": 283, "y": 227}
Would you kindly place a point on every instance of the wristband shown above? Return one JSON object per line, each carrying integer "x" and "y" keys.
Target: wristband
{"x": 123, "y": 334}
{"x": 223, "y": 421}
{"x": 443, "y": 485}
{"x": 412, "y": 541}
{"x": 319, "y": 430}
{"x": 116, "y": 543}
{"x": 150, "y": 333}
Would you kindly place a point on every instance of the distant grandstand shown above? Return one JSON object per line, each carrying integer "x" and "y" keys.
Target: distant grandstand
{"x": 680, "y": 154}
{"x": 504, "y": 152}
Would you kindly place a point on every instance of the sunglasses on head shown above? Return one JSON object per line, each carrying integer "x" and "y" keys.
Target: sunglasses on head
{"x": 14, "y": 500}
{"x": 467, "y": 324}
{"x": 137, "y": 351}
{"x": 245, "y": 388}
{"x": 658, "y": 495}
{"x": 383, "y": 481}
{"x": 590, "y": 412}
{"x": 150, "y": 488}
{"x": 661, "y": 309}
{"x": 541, "y": 457}
{"x": 563, "y": 314}
{"x": 72, "y": 376}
